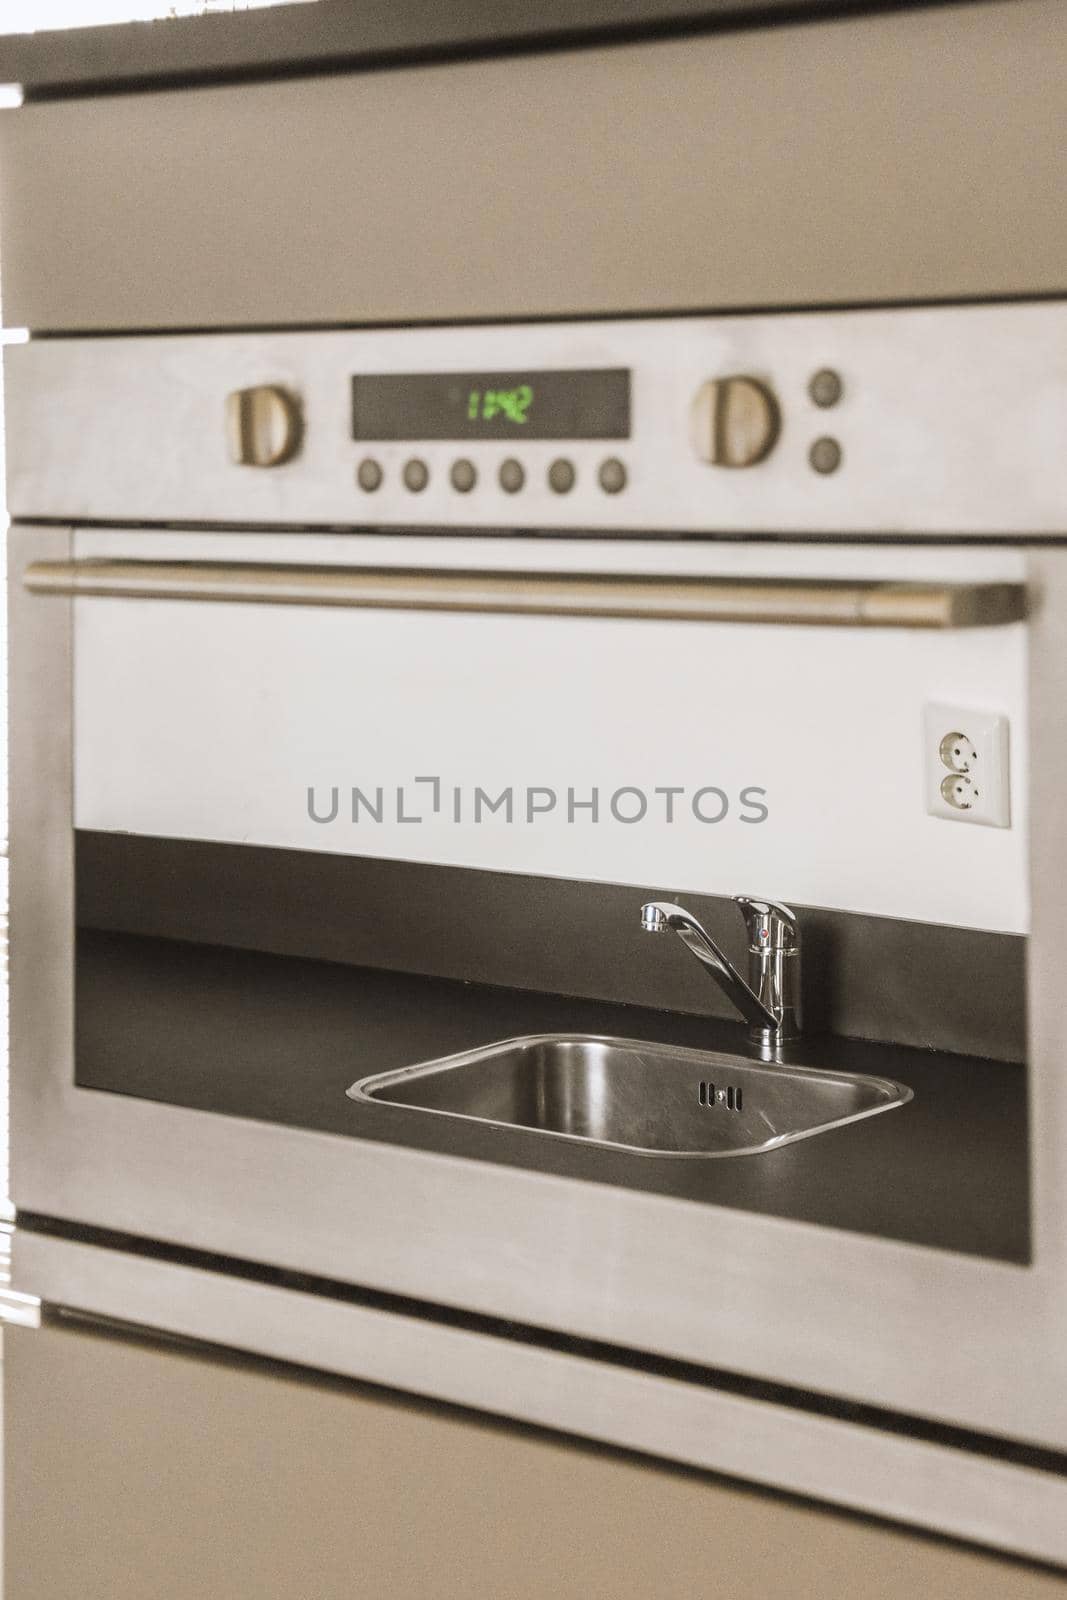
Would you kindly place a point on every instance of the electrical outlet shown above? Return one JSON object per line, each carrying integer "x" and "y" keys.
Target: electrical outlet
{"x": 965, "y": 765}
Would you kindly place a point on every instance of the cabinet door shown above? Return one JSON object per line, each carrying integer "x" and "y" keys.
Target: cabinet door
{"x": 685, "y": 172}
{"x": 135, "y": 1469}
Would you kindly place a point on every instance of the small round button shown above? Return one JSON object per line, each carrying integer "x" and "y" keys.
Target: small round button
{"x": 612, "y": 476}
{"x": 464, "y": 475}
{"x": 416, "y": 475}
{"x": 826, "y": 387}
{"x": 825, "y": 455}
{"x": 369, "y": 474}
{"x": 511, "y": 475}
{"x": 561, "y": 476}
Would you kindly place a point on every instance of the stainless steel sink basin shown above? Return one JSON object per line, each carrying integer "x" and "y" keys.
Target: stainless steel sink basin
{"x": 649, "y": 1099}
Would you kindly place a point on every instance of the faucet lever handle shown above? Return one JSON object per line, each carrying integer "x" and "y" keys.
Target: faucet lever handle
{"x": 770, "y": 924}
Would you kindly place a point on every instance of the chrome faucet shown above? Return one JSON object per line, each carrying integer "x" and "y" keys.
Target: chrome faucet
{"x": 770, "y": 1000}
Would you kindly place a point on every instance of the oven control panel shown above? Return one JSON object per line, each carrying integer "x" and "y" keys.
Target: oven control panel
{"x": 935, "y": 420}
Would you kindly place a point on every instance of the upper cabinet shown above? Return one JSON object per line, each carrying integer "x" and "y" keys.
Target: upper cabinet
{"x": 901, "y": 156}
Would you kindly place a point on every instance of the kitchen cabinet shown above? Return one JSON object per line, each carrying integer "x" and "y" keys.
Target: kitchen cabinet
{"x": 880, "y": 159}
{"x": 136, "y": 1468}
{"x": 879, "y": 1372}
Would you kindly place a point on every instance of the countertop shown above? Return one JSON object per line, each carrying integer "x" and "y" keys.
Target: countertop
{"x": 279, "y": 1039}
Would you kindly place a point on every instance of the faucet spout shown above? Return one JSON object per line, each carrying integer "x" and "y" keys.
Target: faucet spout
{"x": 770, "y": 1003}
{"x": 659, "y": 915}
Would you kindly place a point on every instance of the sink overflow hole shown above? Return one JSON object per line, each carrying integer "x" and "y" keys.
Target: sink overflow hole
{"x": 728, "y": 1096}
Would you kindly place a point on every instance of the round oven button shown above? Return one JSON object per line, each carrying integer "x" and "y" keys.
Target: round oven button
{"x": 561, "y": 476}
{"x": 612, "y": 476}
{"x": 369, "y": 475}
{"x": 464, "y": 475}
{"x": 826, "y": 387}
{"x": 511, "y": 475}
{"x": 825, "y": 455}
{"x": 416, "y": 475}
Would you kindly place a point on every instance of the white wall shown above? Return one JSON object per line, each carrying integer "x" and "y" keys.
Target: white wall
{"x": 212, "y": 722}
{"x": 32, "y": 16}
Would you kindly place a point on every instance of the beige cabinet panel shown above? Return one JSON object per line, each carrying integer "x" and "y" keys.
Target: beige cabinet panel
{"x": 136, "y": 1470}
{"x": 887, "y": 158}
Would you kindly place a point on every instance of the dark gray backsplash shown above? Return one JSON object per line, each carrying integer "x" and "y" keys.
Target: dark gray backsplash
{"x": 867, "y": 977}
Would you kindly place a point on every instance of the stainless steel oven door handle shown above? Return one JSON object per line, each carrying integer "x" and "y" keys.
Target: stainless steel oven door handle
{"x": 787, "y": 601}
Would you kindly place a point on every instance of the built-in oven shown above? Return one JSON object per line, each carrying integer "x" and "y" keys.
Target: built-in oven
{"x": 364, "y": 682}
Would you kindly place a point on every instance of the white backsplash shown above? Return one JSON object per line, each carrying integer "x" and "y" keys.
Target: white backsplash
{"x": 213, "y": 721}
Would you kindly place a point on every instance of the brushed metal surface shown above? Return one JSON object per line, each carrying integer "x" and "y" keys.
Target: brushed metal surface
{"x": 663, "y": 1274}
{"x": 996, "y": 1503}
{"x": 1048, "y": 865}
{"x": 951, "y": 422}
{"x": 41, "y": 975}
{"x": 649, "y": 1099}
{"x": 784, "y": 602}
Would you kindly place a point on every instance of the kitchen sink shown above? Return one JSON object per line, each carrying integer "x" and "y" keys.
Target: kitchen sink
{"x": 649, "y": 1099}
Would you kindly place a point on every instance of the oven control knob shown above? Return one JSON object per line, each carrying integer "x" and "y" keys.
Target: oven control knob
{"x": 734, "y": 421}
{"x": 264, "y": 425}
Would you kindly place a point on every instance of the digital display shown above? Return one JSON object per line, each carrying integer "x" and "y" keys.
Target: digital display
{"x": 592, "y": 404}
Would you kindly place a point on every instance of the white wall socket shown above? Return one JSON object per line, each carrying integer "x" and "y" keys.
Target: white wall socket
{"x": 965, "y": 765}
